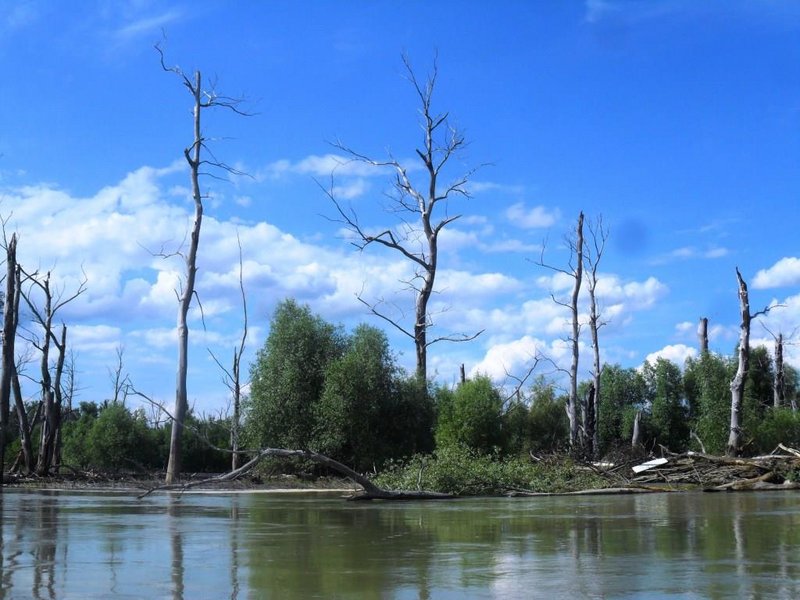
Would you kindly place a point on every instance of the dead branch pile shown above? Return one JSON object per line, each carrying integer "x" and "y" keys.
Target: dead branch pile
{"x": 779, "y": 470}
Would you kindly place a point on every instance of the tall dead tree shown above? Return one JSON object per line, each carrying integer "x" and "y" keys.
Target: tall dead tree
{"x": 593, "y": 254}
{"x": 779, "y": 382}
{"x": 575, "y": 243}
{"x": 739, "y": 380}
{"x": 202, "y": 99}
{"x": 9, "y": 336}
{"x": 702, "y": 335}
{"x": 417, "y": 237}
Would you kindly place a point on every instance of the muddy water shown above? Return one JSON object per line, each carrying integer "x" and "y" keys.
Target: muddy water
{"x": 102, "y": 545}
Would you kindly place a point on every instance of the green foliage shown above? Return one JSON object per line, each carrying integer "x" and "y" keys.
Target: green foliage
{"x": 623, "y": 392}
{"x": 668, "y": 413}
{"x": 471, "y": 416}
{"x": 288, "y": 375}
{"x": 779, "y": 426}
{"x": 516, "y": 427}
{"x": 711, "y": 375}
{"x": 117, "y": 439}
{"x": 204, "y": 442}
{"x": 362, "y": 403}
{"x": 465, "y": 472}
{"x": 548, "y": 425}
{"x": 758, "y": 393}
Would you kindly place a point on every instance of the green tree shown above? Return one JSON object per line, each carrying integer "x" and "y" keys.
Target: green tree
{"x": 549, "y": 425}
{"x": 471, "y": 416}
{"x": 624, "y": 393}
{"x": 709, "y": 385}
{"x": 668, "y": 412}
{"x": 119, "y": 439}
{"x": 357, "y": 398}
{"x": 288, "y": 377}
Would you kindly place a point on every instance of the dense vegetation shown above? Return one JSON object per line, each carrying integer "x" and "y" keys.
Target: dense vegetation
{"x": 342, "y": 394}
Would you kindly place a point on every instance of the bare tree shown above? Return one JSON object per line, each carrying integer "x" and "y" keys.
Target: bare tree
{"x": 739, "y": 380}
{"x": 593, "y": 254}
{"x": 51, "y": 388}
{"x": 575, "y": 271}
{"x": 702, "y": 335}
{"x": 779, "y": 378}
{"x": 417, "y": 237}
{"x": 120, "y": 380}
{"x": 232, "y": 377}
{"x": 202, "y": 99}
{"x": 9, "y": 336}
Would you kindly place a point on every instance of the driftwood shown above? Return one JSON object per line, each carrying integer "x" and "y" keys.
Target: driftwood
{"x": 723, "y": 473}
{"x": 369, "y": 491}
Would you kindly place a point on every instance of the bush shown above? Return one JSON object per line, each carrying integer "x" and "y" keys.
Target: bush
{"x": 780, "y": 426}
{"x": 462, "y": 471}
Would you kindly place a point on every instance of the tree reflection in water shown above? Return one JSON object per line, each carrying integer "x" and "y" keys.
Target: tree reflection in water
{"x": 90, "y": 545}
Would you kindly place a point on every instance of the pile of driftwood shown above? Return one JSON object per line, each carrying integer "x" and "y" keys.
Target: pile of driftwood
{"x": 779, "y": 470}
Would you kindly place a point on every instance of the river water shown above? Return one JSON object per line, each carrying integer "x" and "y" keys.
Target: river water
{"x": 110, "y": 545}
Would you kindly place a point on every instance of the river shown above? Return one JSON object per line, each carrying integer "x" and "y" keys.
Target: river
{"x": 59, "y": 545}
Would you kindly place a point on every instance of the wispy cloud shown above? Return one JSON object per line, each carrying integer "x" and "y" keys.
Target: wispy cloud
{"x": 691, "y": 252}
{"x": 145, "y": 25}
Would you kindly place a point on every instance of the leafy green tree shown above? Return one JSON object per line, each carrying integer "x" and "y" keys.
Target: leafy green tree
{"x": 357, "y": 397}
{"x": 204, "y": 443}
{"x": 668, "y": 412}
{"x": 624, "y": 393}
{"x": 470, "y": 416}
{"x": 119, "y": 439}
{"x": 709, "y": 378}
{"x": 288, "y": 377}
{"x": 758, "y": 393}
{"x": 549, "y": 426}
{"x": 516, "y": 428}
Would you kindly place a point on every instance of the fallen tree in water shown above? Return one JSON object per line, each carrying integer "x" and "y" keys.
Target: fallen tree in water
{"x": 370, "y": 491}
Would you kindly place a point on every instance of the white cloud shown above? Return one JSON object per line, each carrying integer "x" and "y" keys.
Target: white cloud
{"x": 534, "y": 218}
{"x": 146, "y": 25}
{"x": 783, "y": 273}
{"x": 677, "y": 353}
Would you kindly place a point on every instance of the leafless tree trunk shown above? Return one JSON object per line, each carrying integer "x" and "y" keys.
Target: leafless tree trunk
{"x": 702, "y": 335}
{"x": 637, "y": 430}
{"x": 779, "y": 383}
{"x": 9, "y": 336}
{"x": 232, "y": 378}
{"x": 441, "y": 142}
{"x": 739, "y": 380}
{"x": 575, "y": 271}
{"x": 202, "y": 99}
{"x": 594, "y": 254}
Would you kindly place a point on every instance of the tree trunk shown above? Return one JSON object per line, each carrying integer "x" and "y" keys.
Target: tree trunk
{"x": 702, "y": 335}
{"x": 779, "y": 383}
{"x": 9, "y": 337}
{"x": 181, "y": 401}
{"x": 572, "y": 402}
{"x": 637, "y": 431}
{"x": 590, "y": 422}
{"x": 738, "y": 381}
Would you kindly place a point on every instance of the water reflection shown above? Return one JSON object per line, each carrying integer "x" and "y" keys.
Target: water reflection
{"x": 56, "y": 545}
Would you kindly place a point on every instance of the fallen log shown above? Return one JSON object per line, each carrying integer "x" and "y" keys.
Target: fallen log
{"x": 370, "y": 491}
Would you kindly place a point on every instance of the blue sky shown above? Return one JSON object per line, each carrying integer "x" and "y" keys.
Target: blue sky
{"x": 677, "y": 121}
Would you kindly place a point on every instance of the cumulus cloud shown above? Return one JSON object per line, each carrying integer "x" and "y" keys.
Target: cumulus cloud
{"x": 534, "y": 218}
{"x": 785, "y": 272}
{"x": 676, "y": 353}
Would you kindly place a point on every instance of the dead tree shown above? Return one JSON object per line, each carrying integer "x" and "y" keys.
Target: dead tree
{"x": 202, "y": 99}
{"x": 575, "y": 272}
{"x": 417, "y": 237}
{"x": 232, "y": 377}
{"x": 593, "y": 255}
{"x": 702, "y": 335}
{"x": 50, "y": 383}
{"x": 738, "y": 382}
{"x": 9, "y": 336}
